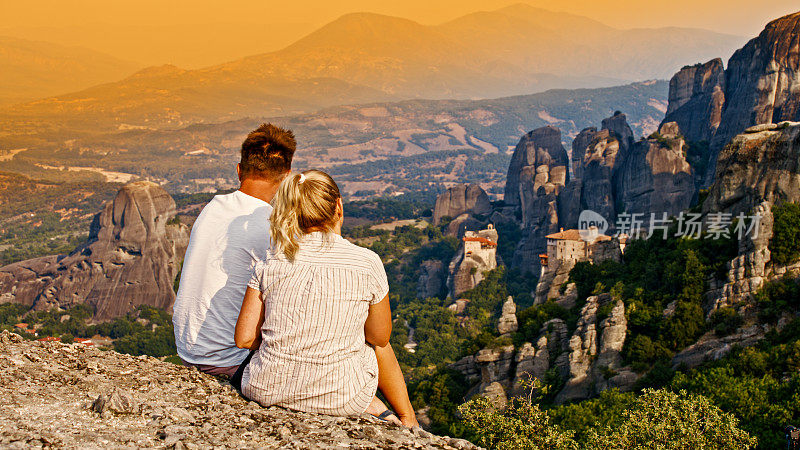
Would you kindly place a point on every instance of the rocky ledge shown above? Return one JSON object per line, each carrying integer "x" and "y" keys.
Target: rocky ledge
{"x": 57, "y": 395}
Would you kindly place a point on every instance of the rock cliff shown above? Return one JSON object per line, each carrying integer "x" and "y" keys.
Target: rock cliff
{"x": 461, "y": 199}
{"x": 103, "y": 399}
{"x": 612, "y": 174}
{"x": 757, "y": 169}
{"x": 654, "y": 176}
{"x": 760, "y": 86}
{"x": 537, "y": 173}
{"x": 588, "y": 361}
{"x": 131, "y": 258}
{"x": 761, "y": 164}
{"x": 476, "y": 255}
{"x": 696, "y": 98}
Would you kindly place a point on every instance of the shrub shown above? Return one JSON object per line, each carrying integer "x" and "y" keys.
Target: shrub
{"x": 725, "y": 321}
{"x": 777, "y": 297}
{"x": 785, "y": 242}
{"x": 521, "y": 424}
{"x": 666, "y": 420}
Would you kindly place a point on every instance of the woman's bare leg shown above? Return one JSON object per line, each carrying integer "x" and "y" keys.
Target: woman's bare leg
{"x": 377, "y": 408}
{"x": 393, "y": 386}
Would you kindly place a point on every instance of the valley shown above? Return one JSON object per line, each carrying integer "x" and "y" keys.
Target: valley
{"x": 434, "y": 141}
{"x": 517, "y": 322}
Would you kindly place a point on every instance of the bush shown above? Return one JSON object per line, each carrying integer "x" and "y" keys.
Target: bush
{"x": 521, "y": 424}
{"x": 725, "y": 321}
{"x": 605, "y": 410}
{"x": 666, "y": 420}
{"x": 778, "y": 296}
{"x": 785, "y": 242}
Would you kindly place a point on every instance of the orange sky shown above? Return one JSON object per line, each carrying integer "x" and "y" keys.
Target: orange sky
{"x": 194, "y": 33}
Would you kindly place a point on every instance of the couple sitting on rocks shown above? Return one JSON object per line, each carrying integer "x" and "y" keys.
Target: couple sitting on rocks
{"x": 274, "y": 297}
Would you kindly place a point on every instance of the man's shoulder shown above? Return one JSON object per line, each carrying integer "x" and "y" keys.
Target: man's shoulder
{"x": 227, "y": 207}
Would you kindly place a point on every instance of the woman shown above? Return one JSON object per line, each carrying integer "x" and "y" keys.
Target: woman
{"x": 317, "y": 313}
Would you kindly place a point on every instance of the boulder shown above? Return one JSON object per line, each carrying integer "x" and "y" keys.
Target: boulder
{"x": 461, "y": 199}
{"x": 431, "y": 279}
{"x": 507, "y": 323}
{"x": 131, "y": 258}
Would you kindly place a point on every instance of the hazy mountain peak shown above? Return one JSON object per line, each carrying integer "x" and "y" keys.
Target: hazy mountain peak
{"x": 34, "y": 69}
{"x": 550, "y": 19}
{"x": 164, "y": 70}
{"x": 362, "y": 30}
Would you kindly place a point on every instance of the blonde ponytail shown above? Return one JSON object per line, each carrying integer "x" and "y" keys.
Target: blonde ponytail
{"x": 304, "y": 202}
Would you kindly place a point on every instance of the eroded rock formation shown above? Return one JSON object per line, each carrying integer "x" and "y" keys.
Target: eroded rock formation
{"x": 461, "y": 199}
{"x": 757, "y": 169}
{"x": 588, "y": 361}
{"x": 761, "y": 164}
{"x": 654, "y": 176}
{"x": 476, "y": 255}
{"x": 508, "y": 318}
{"x": 541, "y": 147}
{"x": 431, "y": 279}
{"x": 760, "y": 86}
{"x": 131, "y": 258}
{"x": 537, "y": 173}
{"x": 696, "y": 97}
{"x": 612, "y": 174}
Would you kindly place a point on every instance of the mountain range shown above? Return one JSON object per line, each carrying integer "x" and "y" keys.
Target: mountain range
{"x": 363, "y": 145}
{"x": 364, "y": 57}
{"x": 34, "y": 69}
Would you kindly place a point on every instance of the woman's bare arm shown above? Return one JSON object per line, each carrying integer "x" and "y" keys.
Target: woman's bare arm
{"x": 378, "y": 327}
{"x": 393, "y": 386}
{"x": 251, "y": 317}
{"x": 378, "y": 330}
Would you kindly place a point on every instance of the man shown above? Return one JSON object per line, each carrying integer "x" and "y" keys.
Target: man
{"x": 229, "y": 237}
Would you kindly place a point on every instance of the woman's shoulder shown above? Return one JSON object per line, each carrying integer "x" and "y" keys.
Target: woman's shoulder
{"x": 272, "y": 260}
{"x": 369, "y": 259}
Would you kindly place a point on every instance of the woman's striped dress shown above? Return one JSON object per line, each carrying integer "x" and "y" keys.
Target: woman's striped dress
{"x": 313, "y": 355}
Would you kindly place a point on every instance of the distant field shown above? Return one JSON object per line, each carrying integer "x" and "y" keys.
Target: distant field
{"x": 372, "y": 149}
{"x": 44, "y": 218}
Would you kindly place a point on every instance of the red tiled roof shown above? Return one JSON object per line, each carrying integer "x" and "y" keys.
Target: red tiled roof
{"x": 21, "y": 325}
{"x": 566, "y": 235}
{"x": 49, "y": 339}
{"x": 482, "y": 240}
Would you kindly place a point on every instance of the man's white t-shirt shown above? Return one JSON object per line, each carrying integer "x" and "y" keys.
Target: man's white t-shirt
{"x": 230, "y": 236}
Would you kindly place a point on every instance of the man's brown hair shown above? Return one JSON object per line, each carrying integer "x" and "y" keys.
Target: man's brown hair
{"x": 267, "y": 152}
